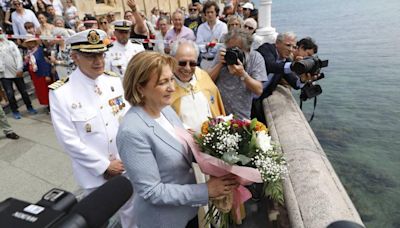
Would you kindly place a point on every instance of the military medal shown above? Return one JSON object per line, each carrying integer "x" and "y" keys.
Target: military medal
{"x": 116, "y": 104}
{"x": 74, "y": 106}
{"x": 112, "y": 88}
{"x": 88, "y": 128}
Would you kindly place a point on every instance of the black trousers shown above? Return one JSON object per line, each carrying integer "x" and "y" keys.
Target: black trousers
{"x": 8, "y": 87}
{"x": 194, "y": 223}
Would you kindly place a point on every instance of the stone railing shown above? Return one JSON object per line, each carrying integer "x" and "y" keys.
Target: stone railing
{"x": 314, "y": 195}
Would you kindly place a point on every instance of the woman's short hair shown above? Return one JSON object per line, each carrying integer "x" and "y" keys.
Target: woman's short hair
{"x": 232, "y": 18}
{"x": 241, "y": 34}
{"x": 139, "y": 71}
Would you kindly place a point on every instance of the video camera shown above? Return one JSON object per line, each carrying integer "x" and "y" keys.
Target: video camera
{"x": 59, "y": 208}
{"x": 234, "y": 54}
{"x": 311, "y": 64}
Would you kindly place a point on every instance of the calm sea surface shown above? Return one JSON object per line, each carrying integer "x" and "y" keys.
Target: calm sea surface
{"x": 358, "y": 114}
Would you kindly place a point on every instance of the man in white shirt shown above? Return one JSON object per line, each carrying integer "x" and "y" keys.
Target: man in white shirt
{"x": 86, "y": 109}
{"x": 58, "y": 6}
{"x": 11, "y": 73}
{"x": 210, "y": 31}
{"x": 123, "y": 49}
{"x": 20, "y": 16}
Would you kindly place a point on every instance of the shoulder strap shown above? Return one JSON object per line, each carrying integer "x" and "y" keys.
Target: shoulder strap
{"x": 57, "y": 84}
{"x": 110, "y": 73}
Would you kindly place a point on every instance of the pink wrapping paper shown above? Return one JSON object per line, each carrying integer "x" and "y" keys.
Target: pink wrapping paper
{"x": 216, "y": 167}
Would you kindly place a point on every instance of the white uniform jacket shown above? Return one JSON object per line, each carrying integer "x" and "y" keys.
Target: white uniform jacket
{"x": 86, "y": 115}
{"x": 118, "y": 56}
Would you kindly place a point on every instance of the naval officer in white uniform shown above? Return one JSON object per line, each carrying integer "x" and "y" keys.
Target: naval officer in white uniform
{"x": 123, "y": 49}
{"x": 86, "y": 109}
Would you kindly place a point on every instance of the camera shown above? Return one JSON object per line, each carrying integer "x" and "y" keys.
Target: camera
{"x": 311, "y": 64}
{"x": 234, "y": 54}
{"x": 54, "y": 205}
{"x": 60, "y": 209}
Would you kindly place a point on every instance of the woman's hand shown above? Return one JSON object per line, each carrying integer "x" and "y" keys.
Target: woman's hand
{"x": 219, "y": 186}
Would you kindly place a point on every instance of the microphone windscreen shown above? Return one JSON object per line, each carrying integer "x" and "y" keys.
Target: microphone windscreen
{"x": 102, "y": 203}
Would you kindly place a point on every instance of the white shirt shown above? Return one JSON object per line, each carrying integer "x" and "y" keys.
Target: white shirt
{"x": 160, "y": 44}
{"x": 164, "y": 123}
{"x": 10, "y": 59}
{"x": 194, "y": 108}
{"x": 19, "y": 20}
{"x": 86, "y": 115}
{"x": 205, "y": 34}
{"x": 71, "y": 13}
{"x": 118, "y": 56}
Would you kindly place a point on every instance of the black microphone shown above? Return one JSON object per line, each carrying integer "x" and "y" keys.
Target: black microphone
{"x": 94, "y": 210}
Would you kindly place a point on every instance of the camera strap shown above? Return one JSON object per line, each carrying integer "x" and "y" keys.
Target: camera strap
{"x": 315, "y": 105}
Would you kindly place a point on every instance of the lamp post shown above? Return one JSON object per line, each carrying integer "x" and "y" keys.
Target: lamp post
{"x": 265, "y": 31}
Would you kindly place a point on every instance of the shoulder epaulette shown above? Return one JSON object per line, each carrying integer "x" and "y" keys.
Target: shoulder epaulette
{"x": 110, "y": 73}
{"x": 57, "y": 84}
{"x": 136, "y": 42}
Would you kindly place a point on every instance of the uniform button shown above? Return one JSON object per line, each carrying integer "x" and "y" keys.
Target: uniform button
{"x": 110, "y": 140}
{"x": 106, "y": 124}
{"x": 101, "y": 107}
{"x": 190, "y": 170}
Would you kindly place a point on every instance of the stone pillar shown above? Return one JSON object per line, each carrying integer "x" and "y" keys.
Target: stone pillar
{"x": 265, "y": 32}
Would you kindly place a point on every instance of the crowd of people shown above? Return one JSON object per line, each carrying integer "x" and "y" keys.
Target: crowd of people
{"x": 122, "y": 106}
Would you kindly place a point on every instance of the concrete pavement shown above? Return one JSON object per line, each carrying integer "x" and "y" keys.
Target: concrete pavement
{"x": 35, "y": 163}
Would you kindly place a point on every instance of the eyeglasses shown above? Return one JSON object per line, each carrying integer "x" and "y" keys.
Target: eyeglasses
{"x": 248, "y": 27}
{"x": 17, "y": 4}
{"x": 290, "y": 46}
{"x": 184, "y": 63}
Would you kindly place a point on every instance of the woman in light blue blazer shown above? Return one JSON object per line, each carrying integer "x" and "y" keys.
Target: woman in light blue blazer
{"x": 156, "y": 158}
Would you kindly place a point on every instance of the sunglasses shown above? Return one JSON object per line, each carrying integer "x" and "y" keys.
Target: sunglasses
{"x": 248, "y": 27}
{"x": 184, "y": 63}
{"x": 103, "y": 22}
{"x": 193, "y": 9}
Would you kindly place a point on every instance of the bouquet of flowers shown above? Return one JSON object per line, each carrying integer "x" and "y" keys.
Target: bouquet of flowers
{"x": 242, "y": 147}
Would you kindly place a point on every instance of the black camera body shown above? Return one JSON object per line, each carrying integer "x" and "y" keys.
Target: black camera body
{"x": 311, "y": 64}
{"x": 54, "y": 205}
{"x": 234, "y": 54}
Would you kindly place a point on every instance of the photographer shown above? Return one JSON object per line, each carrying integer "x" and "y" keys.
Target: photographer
{"x": 238, "y": 73}
{"x": 278, "y": 61}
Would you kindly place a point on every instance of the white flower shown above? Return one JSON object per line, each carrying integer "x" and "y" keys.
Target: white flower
{"x": 263, "y": 141}
{"x": 226, "y": 118}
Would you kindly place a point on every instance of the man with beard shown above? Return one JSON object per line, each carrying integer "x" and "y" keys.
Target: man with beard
{"x": 122, "y": 50}
{"x": 194, "y": 19}
{"x": 196, "y": 97}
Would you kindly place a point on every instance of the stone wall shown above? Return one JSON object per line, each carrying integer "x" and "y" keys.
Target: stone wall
{"x": 314, "y": 195}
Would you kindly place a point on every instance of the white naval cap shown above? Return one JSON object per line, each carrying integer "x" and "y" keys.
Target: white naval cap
{"x": 124, "y": 25}
{"x": 91, "y": 40}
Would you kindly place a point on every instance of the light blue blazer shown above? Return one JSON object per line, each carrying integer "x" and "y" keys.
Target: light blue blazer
{"x": 166, "y": 193}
